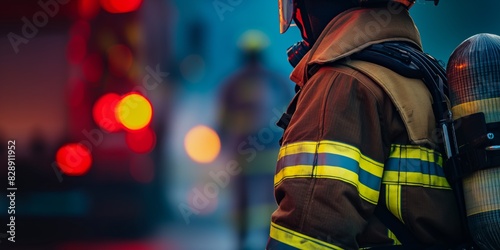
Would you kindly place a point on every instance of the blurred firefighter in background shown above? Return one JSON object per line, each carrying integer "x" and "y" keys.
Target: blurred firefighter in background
{"x": 251, "y": 101}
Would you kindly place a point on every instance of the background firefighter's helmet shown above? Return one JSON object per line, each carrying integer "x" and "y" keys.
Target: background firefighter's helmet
{"x": 473, "y": 73}
{"x": 287, "y": 7}
{"x": 253, "y": 40}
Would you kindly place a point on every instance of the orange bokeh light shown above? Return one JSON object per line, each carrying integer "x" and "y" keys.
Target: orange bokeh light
{"x": 120, "y": 6}
{"x": 74, "y": 159}
{"x": 202, "y": 144}
{"x": 103, "y": 112}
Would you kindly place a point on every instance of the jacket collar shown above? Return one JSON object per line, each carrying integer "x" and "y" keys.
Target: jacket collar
{"x": 354, "y": 30}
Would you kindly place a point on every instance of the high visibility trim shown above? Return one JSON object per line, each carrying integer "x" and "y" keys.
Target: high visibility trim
{"x": 330, "y": 160}
{"x": 307, "y": 160}
{"x": 416, "y": 152}
{"x": 415, "y": 179}
{"x": 392, "y": 236}
{"x": 296, "y": 148}
{"x": 298, "y": 240}
{"x": 415, "y": 166}
{"x": 393, "y": 200}
{"x": 365, "y": 191}
{"x": 336, "y": 173}
{"x": 293, "y": 172}
{"x": 325, "y": 148}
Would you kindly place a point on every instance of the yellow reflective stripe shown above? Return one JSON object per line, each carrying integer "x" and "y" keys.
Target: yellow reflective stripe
{"x": 415, "y": 166}
{"x": 365, "y": 163}
{"x": 415, "y": 179}
{"x": 416, "y": 152}
{"x": 338, "y": 173}
{"x": 328, "y": 172}
{"x": 330, "y": 160}
{"x": 292, "y": 172}
{"x": 332, "y": 147}
{"x": 297, "y": 148}
{"x": 392, "y": 236}
{"x": 393, "y": 200}
{"x": 298, "y": 240}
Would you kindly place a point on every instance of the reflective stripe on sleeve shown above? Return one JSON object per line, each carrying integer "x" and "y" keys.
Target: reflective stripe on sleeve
{"x": 291, "y": 238}
{"x": 330, "y": 160}
{"x": 415, "y": 166}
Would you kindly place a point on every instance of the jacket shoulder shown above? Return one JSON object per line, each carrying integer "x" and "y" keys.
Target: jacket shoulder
{"x": 410, "y": 96}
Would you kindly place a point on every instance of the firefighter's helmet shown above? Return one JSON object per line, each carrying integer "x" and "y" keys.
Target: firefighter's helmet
{"x": 287, "y": 7}
{"x": 253, "y": 40}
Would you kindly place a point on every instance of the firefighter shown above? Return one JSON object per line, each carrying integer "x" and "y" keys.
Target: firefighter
{"x": 250, "y": 100}
{"x": 360, "y": 139}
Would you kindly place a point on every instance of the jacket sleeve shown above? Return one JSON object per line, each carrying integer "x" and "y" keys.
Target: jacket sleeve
{"x": 330, "y": 166}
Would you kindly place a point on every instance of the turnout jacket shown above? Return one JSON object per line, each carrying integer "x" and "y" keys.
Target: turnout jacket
{"x": 361, "y": 135}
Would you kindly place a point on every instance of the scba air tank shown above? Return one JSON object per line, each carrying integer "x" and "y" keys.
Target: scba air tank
{"x": 473, "y": 73}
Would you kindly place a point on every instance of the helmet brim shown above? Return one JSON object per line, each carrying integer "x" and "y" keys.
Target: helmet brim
{"x": 285, "y": 14}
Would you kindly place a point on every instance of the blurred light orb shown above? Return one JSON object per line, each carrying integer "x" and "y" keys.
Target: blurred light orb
{"x": 88, "y": 9}
{"x": 134, "y": 111}
{"x": 202, "y": 144}
{"x": 103, "y": 112}
{"x": 74, "y": 159}
{"x": 120, "y": 6}
{"x": 141, "y": 141}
